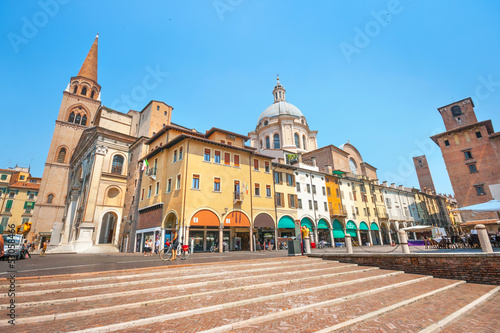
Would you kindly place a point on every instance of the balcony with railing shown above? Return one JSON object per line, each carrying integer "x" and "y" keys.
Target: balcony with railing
{"x": 338, "y": 212}
{"x": 238, "y": 196}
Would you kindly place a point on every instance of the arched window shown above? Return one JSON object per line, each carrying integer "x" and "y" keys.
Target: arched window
{"x": 50, "y": 197}
{"x": 71, "y": 117}
{"x": 456, "y": 111}
{"x": 268, "y": 143}
{"x": 74, "y": 89}
{"x": 297, "y": 140}
{"x": 61, "y": 156}
{"x": 78, "y": 118}
{"x": 304, "y": 142}
{"x": 92, "y": 94}
{"x": 276, "y": 141}
{"x": 353, "y": 166}
{"x": 84, "y": 91}
{"x": 84, "y": 120}
{"x": 117, "y": 164}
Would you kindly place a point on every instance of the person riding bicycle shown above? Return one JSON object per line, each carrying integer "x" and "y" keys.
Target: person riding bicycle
{"x": 175, "y": 243}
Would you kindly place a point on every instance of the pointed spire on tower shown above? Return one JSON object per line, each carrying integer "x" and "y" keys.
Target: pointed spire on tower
{"x": 89, "y": 67}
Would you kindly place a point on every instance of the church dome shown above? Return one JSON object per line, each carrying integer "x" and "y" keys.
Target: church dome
{"x": 280, "y": 105}
{"x": 280, "y": 108}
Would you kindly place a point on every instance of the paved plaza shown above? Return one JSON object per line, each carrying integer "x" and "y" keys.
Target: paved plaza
{"x": 271, "y": 294}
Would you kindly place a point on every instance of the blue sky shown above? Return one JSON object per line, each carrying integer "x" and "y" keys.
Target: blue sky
{"x": 371, "y": 72}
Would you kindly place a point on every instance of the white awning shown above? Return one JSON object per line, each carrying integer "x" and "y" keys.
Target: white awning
{"x": 490, "y": 206}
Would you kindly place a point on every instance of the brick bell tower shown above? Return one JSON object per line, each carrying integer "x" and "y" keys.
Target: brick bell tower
{"x": 80, "y": 101}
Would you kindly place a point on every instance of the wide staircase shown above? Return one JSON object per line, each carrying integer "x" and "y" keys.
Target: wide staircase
{"x": 272, "y": 295}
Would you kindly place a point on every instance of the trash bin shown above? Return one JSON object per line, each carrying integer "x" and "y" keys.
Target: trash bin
{"x": 294, "y": 248}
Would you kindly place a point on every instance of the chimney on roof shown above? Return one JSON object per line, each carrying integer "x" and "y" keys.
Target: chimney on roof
{"x": 384, "y": 183}
{"x": 328, "y": 169}
{"x": 393, "y": 185}
{"x": 313, "y": 160}
{"x": 299, "y": 158}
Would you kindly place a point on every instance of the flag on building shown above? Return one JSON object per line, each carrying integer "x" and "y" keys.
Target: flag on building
{"x": 145, "y": 164}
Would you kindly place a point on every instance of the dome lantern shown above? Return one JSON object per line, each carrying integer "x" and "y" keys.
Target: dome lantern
{"x": 279, "y": 92}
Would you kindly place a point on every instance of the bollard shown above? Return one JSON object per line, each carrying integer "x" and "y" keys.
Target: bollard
{"x": 348, "y": 243}
{"x": 484, "y": 239}
{"x": 403, "y": 238}
{"x": 307, "y": 245}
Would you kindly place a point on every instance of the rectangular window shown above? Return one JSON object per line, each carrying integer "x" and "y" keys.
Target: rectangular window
{"x": 279, "y": 199}
{"x": 326, "y": 206}
{"x": 256, "y": 165}
{"x": 266, "y": 167}
{"x": 314, "y": 189}
{"x": 446, "y": 143}
{"x": 468, "y": 155}
{"x": 337, "y": 192}
{"x": 12, "y": 195}
{"x": 299, "y": 203}
{"x": 291, "y": 201}
{"x": 142, "y": 195}
{"x": 154, "y": 169}
{"x": 229, "y": 143}
{"x": 236, "y": 159}
{"x": 257, "y": 190}
{"x": 169, "y": 185}
{"x": 315, "y": 204}
{"x": 149, "y": 191}
{"x": 277, "y": 178}
{"x": 180, "y": 153}
{"x": 354, "y": 196}
{"x": 216, "y": 184}
{"x": 178, "y": 182}
{"x": 217, "y": 157}
{"x": 5, "y": 222}
{"x": 323, "y": 190}
{"x": 227, "y": 158}
{"x": 157, "y": 188}
{"x": 196, "y": 182}
{"x": 308, "y": 188}
{"x": 480, "y": 190}
{"x": 357, "y": 211}
{"x": 478, "y": 135}
{"x": 175, "y": 156}
{"x": 329, "y": 191}
{"x": 364, "y": 211}
{"x": 268, "y": 191}
{"x": 298, "y": 187}
{"x": 472, "y": 168}
{"x": 3, "y": 177}
{"x": 206, "y": 156}
{"x": 21, "y": 177}
{"x": 31, "y": 196}
{"x": 310, "y": 204}
{"x": 290, "y": 180}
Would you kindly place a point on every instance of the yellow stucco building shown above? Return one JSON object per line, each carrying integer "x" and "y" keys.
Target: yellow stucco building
{"x": 18, "y": 193}
{"x": 211, "y": 187}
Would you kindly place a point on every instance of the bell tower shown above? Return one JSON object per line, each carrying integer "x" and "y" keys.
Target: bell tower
{"x": 80, "y": 102}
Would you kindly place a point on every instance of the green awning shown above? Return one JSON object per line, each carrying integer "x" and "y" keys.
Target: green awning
{"x": 374, "y": 226}
{"x": 306, "y": 222}
{"x": 351, "y": 225}
{"x": 338, "y": 172}
{"x": 322, "y": 224}
{"x": 351, "y": 232}
{"x": 338, "y": 234}
{"x": 286, "y": 222}
{"x": 363, "y": 226}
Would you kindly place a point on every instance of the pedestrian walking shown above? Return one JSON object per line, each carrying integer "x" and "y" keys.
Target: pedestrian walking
{"x": 25, "y": 253}
{"x": 44, "y": 248}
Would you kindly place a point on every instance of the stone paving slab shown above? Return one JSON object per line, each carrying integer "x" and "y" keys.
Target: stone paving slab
{"x": 420, "y": 315}
{"x": 484, "y": 319}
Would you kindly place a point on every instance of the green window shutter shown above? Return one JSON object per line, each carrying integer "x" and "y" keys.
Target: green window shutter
{"x": 28, "y": 193}
{"x": 9, "y": 204}
{"x": 29, "y": 205}
{"x": 4, "y": 177}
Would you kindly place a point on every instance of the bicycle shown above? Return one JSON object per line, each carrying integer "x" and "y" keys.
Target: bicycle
{"x": 182, "y": 252}
{"x": 214, "y": 248}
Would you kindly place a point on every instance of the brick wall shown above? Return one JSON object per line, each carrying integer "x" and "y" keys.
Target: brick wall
{"x": 474, "y": 268}
{"x": 150, "y": 218}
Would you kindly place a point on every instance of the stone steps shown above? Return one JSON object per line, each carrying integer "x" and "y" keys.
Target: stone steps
{"x": 296, "y": 294}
